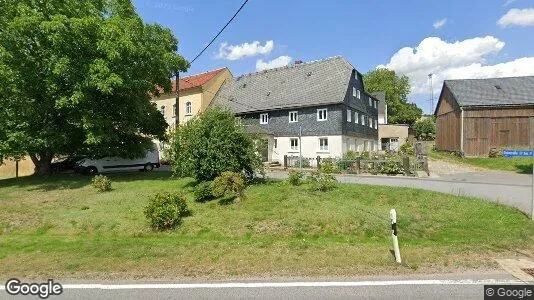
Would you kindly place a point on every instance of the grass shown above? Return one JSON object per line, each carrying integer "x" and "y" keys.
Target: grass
{"x": 61, "y": 227}
{"x": 521, "y": 165}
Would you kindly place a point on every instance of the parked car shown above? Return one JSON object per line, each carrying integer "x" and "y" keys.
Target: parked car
{"x": 65, "y": 164}
{"x": 112, "y": 164}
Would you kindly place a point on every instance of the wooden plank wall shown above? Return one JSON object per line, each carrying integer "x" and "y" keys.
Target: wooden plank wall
{"x": 448, "y": 123}
{"x": 496, "y": 128}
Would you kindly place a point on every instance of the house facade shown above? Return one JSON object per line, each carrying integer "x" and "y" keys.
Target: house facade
{"x": 391, "y": 136}
{"x": 319, "y": 108}
{"x": 194, "y": 95}
{"x": 475, "y": 115}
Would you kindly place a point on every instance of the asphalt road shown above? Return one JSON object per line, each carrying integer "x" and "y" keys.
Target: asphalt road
{"x": 502, "y": 187}
{"x": 422, "y": 287}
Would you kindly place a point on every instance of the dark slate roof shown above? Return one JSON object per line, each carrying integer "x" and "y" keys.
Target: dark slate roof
{"x": 493, "y": 91}
{"x": 381, "y": 97}
{"x": 305, "y": 84}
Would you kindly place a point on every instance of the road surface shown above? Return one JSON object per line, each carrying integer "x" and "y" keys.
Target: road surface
{"x": 422, "y": 287}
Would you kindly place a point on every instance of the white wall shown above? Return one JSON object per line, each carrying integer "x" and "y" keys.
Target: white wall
{"x": 337, "y": 146}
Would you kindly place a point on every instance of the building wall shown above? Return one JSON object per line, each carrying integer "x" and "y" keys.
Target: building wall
{"x": 448, "y": 123}
{"x": 211, "y": 88}
{"x": 496, "y": 128}
{"x": 195, "y": 97}
{"x": 400, "y": 132}
{"x": 166, "y": 101}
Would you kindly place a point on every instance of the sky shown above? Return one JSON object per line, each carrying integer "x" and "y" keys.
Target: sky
{"x": 452, "y": 39}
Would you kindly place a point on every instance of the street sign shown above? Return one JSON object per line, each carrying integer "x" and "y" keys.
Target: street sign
{"x": 517, "y": 153}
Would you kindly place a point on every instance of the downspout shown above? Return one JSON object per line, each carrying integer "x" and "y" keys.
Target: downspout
{"x": 462, "y": 131}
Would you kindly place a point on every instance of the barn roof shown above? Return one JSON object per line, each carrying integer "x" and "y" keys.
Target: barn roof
{"x": 506, "y": 91}
{"x": 304, "y": 84}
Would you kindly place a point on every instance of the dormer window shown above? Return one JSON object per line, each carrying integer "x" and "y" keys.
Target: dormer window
{"x": 322, "y": 114}
{"x": 264, "y": 118}
{"x": 358, "y": 95}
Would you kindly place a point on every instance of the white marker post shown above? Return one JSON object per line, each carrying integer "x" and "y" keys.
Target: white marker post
{"x": 393, "y": 216}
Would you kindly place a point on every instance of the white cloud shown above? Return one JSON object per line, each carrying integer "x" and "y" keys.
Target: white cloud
{"x": 440, "y": 23}
{"x": 517, "y": 17}
{"x": 236, "y": 52}
{"x": 453, "y": 60}
{"x": 281, "y": 61}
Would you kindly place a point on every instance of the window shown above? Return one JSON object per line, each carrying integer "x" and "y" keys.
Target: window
{"x": 356, "y": 118}
{"x": 294, "y": 144}
{"x": 323, "y": 144}
{"x": 275, "y": 143}
{"x": 264, "y": 118}
{"x": 376, "y": 124}
{"x": 174, "y": 110}
{"x": 371, "y": 122}
{"x": 354, "y": 91}
{"x": 363, "y": 119}
{"x": 375, "y": 104}
{"x": 370, "y": 101}
{"x": 163, "y": 110}
{"x": 358, "y": 95}
{"x": 293, "y": 116}
{"x": 322, "y": 114}
{"x": 188, "y": 108}
{"x": 349, "y": 115}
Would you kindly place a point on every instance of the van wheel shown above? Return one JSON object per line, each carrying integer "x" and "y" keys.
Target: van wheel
{"x": 91, "y": 171}
{"x": 148, "y": 167}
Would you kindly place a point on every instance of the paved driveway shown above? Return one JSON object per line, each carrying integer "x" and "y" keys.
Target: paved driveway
{"x": 502, "y": 187}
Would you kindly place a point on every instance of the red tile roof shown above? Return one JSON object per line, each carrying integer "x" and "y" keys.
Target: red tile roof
{"x": 194, "y": 81}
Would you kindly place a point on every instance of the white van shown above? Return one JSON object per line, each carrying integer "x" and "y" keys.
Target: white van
{"x": 112, "y": 164}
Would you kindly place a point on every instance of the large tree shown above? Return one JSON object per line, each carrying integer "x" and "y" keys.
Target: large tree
{"x": 397, "y": 89}
{"x": 76, "y": 78}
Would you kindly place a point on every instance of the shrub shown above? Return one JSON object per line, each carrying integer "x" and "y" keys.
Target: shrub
{"x": 327, "y": 166}
{"x": 391, "y": 166}
{"x": 407, "y": 148}
{"x": 101, "y": 183}
{"x": 365, "y": 154}
{"x": 203, "y": 192}
{"x": 350, "y": 155}
{"x": 322, "y": 182}
{"x": 212, "y": 143}
{"x": 425, "y": 129}
{"x": 228, "y": 184}
{"x": 295, "y": 177}
{"x": 166, "y": 211}
{"x": 344, "y": 164}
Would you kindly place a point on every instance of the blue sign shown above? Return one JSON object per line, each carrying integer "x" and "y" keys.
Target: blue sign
{"x": 517, "y": 153}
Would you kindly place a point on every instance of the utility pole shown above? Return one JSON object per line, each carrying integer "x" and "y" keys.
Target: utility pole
{"x": 431, "y": 93}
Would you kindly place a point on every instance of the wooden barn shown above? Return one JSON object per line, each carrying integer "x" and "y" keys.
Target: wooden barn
{"x": 475, "y": 115}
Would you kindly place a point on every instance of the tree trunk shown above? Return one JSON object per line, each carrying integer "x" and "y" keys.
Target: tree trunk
{"x": 42, "y": 163}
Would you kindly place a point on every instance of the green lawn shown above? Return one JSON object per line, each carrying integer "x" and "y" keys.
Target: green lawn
{"x": 521, "y": 165}
{"x": 62, "y": 228}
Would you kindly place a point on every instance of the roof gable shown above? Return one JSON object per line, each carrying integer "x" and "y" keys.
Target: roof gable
{"x": 306, "y": 84}
{"x": 493, "y": 91}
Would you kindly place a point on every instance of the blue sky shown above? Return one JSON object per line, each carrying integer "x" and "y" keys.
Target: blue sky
{"x": 476, "y": 39}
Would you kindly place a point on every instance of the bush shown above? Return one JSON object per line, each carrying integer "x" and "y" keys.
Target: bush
{"x": 203, "y": 192}
{"x": 101, "y": 183}
{"x": 407, "y": 148}
{"x": 212, "y": 143}
{"x": 166, "y": 211}
{"x": 425, "y": 129}
{"x": 228, "y": 184}
{"x": 365, "y": 154}
{"x": 392, "y": 166}
{"x": 327, "y": 166}
{"x": 350, "y": 155}
{"x": 322, "y": 182}
{"x": 295, "y": 177}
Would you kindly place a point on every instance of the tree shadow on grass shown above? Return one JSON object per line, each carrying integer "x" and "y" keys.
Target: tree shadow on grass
{"x": 524, "y": 169}
{"x": 76, "y": 181}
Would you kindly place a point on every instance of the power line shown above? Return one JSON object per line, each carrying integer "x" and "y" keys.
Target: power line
{"x": 220, "y": 31}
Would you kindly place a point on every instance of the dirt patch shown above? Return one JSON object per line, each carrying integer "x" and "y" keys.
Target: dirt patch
{"x": 445, "y": 167}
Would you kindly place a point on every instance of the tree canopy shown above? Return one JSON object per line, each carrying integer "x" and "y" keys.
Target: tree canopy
{"x": 397, "y": 89}
{"x": 76, "y": 77}
{"x": 425, "y": 129}
{"x": 212, "y": 143}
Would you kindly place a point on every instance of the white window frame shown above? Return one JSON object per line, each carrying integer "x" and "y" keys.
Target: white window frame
{"x": 325, "y": 111}
{"x": 349, "y": 115}
{"x": 354, "y": 91}
{"x": 188, "y": 108}
{"x": 294, "y": 148}
{"x": 376, "y": 124}
{"x": 370, "y": 102}
{"x": 264, "y": 118}
{"x": 323, "y": 148}
{"x": 358, "y": 94}
{"x": 296, "y": 114}
{"x": 356, "y": 118}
